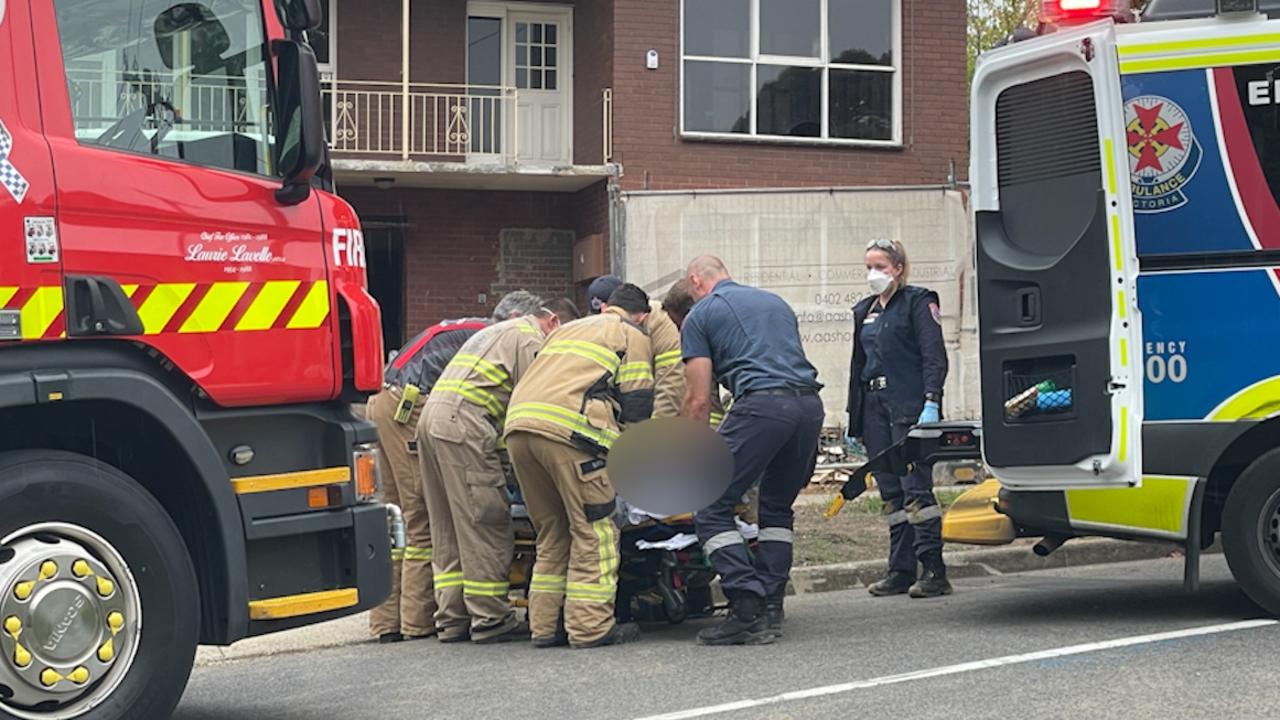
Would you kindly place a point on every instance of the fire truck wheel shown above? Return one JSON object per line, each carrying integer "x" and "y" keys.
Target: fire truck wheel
{"x": 99, "y": 612}
{"x": 1251, "y": 531}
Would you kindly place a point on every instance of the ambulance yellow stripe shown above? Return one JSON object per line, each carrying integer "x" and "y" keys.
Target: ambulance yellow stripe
{"x": 1124, "y": 352}
{"x": 1115, "y": 241}
{"x": 161, "y": 304}
{"x": 314, "y": 308}
{"x": 1111, "y": 166}
{"x": 1199, "y": 44}
{"x": 214, "y": 307}
{"x": 270, "y": 302}
{"x": 1124, "y": 309}
{"x": 1124, "y": 434}
{"x": 6, "y": 294}
{"x": 1159, "y": 504}
{"x": 40, "y": 311}
{"x": 1206, "y": 60}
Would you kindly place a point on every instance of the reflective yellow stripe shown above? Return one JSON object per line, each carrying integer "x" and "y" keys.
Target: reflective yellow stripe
{"x": 479, "y": 396}
{"x": 417, "y": 553}
{"x": 214, "y": 307}
{"x": 290, "y": 481}
{"x": 268, "y": 305}
{"x": 667, "y": 359}
{"x": 1255, "y": 402}
{"x": 478, "y": 588}
{"x": 1198, "y": 44}
{"x": 608, "y": 550}
{"x": 306, "y": 604}
{"x": 397, "y": 554}
{"x": 717, "y": 418}
{"x": 161, "y": 304}
{"x": 599, "y": 354}
{"x": 129, "y": 290}
{"x": 1124, "y": 307}
{"x": 314, "y": 308}
{"x": 1124, "y": 352}
{"x": 592, "y": 592}
{"x": 1205, "y": 60}
{"x": 1124, "y": 434}
{"x": 1159, "y": 504}
{"x": 447, "y": 580}
{"x": 40, "y": 311}
{"x": 547, "y": 583}
{"x": 6, "y": 294}
{"x": 1115, "y": 242}
{"x": 1111, "y": 165}
{"x": 491, "y": 372}
{"x": 635, "y": 372}
{"x": 564, "y": 418}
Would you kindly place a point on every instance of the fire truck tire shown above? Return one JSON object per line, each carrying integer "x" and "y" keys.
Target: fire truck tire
{"x": 1251, "y": 531}
{"x": 92, "y": 538}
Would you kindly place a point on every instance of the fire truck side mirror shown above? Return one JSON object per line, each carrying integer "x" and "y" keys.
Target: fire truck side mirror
{"x": 301, "y": 15}
{"x": 299, "y": 120}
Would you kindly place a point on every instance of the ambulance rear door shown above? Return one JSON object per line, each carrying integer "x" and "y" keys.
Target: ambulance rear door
{"x": 1056, "y": 265}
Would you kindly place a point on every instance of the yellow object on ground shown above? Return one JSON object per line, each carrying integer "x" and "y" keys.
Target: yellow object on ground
{"x": 973, "y": 519}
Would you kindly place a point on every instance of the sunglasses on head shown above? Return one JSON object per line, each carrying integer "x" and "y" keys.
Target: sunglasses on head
{"x": 882, "y": 244}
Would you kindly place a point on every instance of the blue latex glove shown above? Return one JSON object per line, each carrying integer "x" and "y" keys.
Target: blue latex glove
{"x": 853, "y": 447}
{"x": 932, "y": 413}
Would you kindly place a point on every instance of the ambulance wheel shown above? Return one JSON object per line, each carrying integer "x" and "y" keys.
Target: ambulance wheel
{"x": 1251, "y": 531}
{"x": 86, "y": 556}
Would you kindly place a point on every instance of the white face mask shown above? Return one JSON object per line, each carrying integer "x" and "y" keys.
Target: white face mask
{"x": 879, "y": 281}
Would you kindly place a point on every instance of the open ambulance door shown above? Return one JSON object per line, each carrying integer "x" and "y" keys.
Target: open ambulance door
{"x": 1059, "y": 327}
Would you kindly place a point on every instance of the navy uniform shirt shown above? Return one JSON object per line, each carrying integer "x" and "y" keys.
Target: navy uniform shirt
{"x": 752, "y": 338}
{"x": 871, "y": 349}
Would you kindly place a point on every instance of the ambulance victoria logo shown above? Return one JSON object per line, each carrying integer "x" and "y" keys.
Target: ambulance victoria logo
{"x": 1163, "y": 153}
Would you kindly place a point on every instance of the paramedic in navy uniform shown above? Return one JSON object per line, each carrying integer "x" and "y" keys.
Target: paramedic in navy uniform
{"x": 898, "y": 368}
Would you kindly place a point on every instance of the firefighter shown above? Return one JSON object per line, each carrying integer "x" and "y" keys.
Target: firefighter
{"x": 749, "y": 339}
{"x": 592, "y": 377}
{"x": 466, "y": 485}
{"x": 408, "y": 612}
{"x": 898, "y": 367}
{"x": 664, "y": 336}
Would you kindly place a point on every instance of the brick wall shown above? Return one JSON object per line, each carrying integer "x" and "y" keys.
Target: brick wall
{"x": 455, "y": 251}
{"x": 369, "y": 40}
{"x": 646, "y": 113}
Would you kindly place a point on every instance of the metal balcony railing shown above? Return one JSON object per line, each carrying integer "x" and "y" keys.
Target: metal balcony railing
{"x": 450, "y": 122}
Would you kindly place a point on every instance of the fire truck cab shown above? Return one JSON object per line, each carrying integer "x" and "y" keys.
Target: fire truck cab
{"x": 184, "y": 325}
{"x": 1126, "y": 174}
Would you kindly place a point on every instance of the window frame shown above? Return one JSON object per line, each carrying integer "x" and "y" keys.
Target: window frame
{"x": 755, "y": 59}
{"x": 269, "y": 70}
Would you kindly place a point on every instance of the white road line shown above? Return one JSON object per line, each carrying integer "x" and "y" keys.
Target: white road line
{"x": 961, "y": 668}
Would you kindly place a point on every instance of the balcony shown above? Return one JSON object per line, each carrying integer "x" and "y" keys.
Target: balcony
{"x": 454, "y": 136}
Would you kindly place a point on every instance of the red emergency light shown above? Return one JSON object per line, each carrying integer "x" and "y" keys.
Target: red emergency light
{"x": 1063, "y": 12}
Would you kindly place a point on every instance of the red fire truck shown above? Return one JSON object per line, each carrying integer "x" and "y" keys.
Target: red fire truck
{"x": 184, "y": 324}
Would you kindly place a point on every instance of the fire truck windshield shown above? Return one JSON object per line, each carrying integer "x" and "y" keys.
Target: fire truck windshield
{"x": 188, "y": 81}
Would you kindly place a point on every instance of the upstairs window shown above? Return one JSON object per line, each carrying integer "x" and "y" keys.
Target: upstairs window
{"x": 825, "y": 71}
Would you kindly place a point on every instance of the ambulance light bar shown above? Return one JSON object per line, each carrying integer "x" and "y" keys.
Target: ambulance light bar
{"x": 1065, "y": 12}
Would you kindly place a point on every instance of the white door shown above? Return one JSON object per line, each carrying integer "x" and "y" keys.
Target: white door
{"x": 542, "y": 69}
{"x": 1058, "y": 319}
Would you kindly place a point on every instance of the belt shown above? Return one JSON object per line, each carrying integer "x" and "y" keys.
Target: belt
{"x": 790, "y": 392}
{"x": 877, "y": 383}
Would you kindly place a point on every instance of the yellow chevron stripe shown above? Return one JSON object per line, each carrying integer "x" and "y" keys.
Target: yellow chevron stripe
{"x": 161, "y": 304}
{"x": 270, "y": 302}
{"x": 6, "y": 294}
{"x": 214, "y": 307}
{"x": 40, "y": 311}
{"x": 129, "y": 290}
{"x": 314, "y": 308}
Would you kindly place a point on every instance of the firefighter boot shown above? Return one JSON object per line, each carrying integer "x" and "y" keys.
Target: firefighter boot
{"x": 773, "y": 610}
{"x": 747, "y": 624}
{"x": 560, "y": 639}
{"x": 617, "y": 635}
{"x": 895, "y": 583}
{"x": 933, "y": 582}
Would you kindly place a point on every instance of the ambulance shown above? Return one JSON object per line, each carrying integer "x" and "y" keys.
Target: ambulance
{"x": 1126, "y": 179}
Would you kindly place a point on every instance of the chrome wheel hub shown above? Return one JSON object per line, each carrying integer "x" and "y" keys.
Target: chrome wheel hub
{"x": 70, "y": 618}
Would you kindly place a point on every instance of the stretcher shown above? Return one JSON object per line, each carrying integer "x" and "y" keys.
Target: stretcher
{"x": 655, "y": 583}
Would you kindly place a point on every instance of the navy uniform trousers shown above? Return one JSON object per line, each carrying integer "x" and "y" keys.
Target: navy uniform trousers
{"x": 915, "y": 520}
{"x": 773, "y": 435}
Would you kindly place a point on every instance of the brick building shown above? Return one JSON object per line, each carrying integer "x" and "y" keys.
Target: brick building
{"x": 540, "y": 144}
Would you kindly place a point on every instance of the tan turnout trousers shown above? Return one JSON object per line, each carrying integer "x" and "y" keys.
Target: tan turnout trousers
{"x": 471, "y": 520}
{"x": 411, "y": 607}
{"x": 570, "y": 502}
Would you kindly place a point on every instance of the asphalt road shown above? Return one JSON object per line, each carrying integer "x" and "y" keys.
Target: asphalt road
{"x": 1103, "y": 641}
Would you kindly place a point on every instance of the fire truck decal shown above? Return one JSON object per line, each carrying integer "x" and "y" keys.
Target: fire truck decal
{"x": 187, "y": 308}
{"x": 10, "y": 177}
